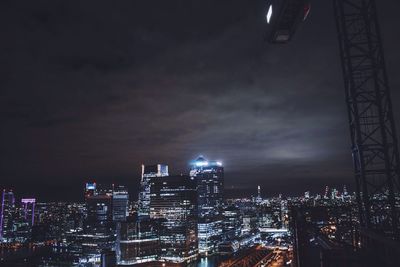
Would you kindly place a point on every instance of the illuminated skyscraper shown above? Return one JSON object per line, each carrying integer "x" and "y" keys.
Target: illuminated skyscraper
{"x": 28, "y": 208}
{"x": 159, "y": 170}
{"x": 345, "y": 193}
{"x": 99, "y": 210}
{"x": 209, "y": 177}
{"x": 258, "y": 198}
{"x": 90, "y": 189}
{"x": 6, "y": 213}
{"x": 231, "y": 223}
{"x": 326, "y": 192}
{"x": 210, "y": 234}
{"x": 98, "y": 224}
{"x": 173, "y": 202}
{"x": 334, "y": 193}
{"x": 120, "y": 199}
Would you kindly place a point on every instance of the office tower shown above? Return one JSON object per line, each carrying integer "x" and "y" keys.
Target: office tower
{"x": 209, "y": 177}
{"x": 159, "y": 170}
{"x": 98, "y": 224}
{"x": 28, "y": 209}
{"x": 232, "y": 222}
{"x": 99, "y": 210}
{"x": 345, "y": 193}
{"x": 173, "y": 201}
{"x": 7, "y": 214}
{"x": 326, "y": 192}
{"x": 334, "y": 193}
{"x": 258, "y": 198}
{"x": 120, "y": 199}
{"x": 90, "y": 189}
{"x": 103, "y": 190}
{"x": 210, "y": 234}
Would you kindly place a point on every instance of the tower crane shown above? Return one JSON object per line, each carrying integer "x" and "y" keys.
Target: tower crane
{"x": 372, "y": 128}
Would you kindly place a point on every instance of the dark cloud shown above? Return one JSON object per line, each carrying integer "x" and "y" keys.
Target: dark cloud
{"x": 93, "y": 89}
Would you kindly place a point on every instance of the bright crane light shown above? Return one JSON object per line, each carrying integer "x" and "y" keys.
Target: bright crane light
{"x": 269, "y": 14}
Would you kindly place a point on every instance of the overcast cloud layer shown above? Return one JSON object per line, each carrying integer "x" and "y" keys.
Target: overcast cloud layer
{"x": 94, "y": 89}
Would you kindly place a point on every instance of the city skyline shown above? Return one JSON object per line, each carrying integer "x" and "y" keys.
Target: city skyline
{"x": 134, "y": 186}
{"x": 97, "y": 97}
{"x": 108, "y": 228}
{"x": 188, "y": 133}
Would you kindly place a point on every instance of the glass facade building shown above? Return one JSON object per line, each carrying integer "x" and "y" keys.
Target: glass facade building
{"x": 120, "y": 201}
{"x": 98, "y": 224}
{"x": 7, "y": 214}
{"x": 231, "y": 222}
{"x": 209, "y": 234}
{"x": 139, "y": 242}
{"x": 148, "y": 172}
{"x": 209, "y": 178}
{"x": 173, "y": 202}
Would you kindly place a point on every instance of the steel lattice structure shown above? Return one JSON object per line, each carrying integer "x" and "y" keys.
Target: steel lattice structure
{"x": 373, "y": 135}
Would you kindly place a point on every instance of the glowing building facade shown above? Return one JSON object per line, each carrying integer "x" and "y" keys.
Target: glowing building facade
{"x": 148, "y": 172}
{"x": 98, "y": 224}
{"x": 7, "y": 214}
{"x": 173, "y": 202}
{"x": 210, "y": 232}
{"x": 28, "y": 209}
{"x": 231, "y": 223}
{"x": 120, "y": 199}
{"x": 209, "y": 177}
{"x": 120, "y": 202}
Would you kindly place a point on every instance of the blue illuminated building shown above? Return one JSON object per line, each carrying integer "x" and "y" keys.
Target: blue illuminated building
{"x": 120, "y": 201}
{"x": 209, "y": 177}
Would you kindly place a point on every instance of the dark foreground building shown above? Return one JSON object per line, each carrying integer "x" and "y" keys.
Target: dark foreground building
{"x": 139, "y": 242}
{"x": 328, "y": 237}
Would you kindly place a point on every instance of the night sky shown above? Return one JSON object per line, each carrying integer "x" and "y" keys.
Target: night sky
{"x": 91, "y": 90}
